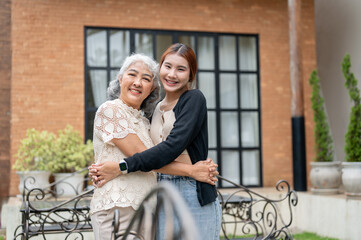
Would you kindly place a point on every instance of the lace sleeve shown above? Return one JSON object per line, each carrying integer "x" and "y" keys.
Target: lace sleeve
{"x": 111, "y": 122}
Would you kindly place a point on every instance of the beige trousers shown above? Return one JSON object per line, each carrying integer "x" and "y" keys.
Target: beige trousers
{"x": 102, "y": 222}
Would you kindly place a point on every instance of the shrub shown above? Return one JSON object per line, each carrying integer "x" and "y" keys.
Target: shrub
{"x": 70, "y": 153}
{"x": 35, "y": 151}
{"x": 353, "y": 134}
{"x": 323, "y": 140}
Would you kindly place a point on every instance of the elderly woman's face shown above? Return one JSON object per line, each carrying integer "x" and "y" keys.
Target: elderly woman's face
{"x": 136, "y": 84}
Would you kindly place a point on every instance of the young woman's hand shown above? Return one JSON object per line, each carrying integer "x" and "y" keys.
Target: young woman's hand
{"x": 103, "y": 172}
{"x": 205, "y": 171}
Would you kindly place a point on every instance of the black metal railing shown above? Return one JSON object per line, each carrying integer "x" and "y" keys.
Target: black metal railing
{"x": 246, "y": 212}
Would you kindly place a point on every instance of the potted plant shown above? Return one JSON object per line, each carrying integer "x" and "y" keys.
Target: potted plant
{"x": 351, "y": 171}
{"x": 325, "y": 174}
{"x": 34, "y": 152}
{"x": 71, "y": 156}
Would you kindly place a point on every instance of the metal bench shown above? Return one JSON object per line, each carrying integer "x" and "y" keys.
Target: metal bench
{"x": 45, "y": 212}
{"x": 246, "y": 214}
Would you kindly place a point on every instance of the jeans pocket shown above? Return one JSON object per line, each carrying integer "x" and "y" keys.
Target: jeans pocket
{"x": 192, "y": 182}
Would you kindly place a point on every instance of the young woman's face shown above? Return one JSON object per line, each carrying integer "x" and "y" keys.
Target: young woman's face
{"x": 174, "y": 74}
{"x": 136, "y": 84}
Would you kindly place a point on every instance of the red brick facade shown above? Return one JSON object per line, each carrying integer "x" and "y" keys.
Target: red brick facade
{"x": 5, "y": 85}
{"x": 47, "y": 78}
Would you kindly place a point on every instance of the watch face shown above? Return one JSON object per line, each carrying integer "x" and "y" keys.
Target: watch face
{"x": 123, "y": 166}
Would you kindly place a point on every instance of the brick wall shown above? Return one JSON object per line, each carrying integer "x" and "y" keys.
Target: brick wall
{"x": 48, "y": 60}
{"x": 5, "y": 83}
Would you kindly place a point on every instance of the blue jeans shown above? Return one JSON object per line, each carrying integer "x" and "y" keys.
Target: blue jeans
{"x": 207, "y": 218}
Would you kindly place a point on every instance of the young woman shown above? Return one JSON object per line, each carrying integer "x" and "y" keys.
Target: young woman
{"x": 119, "y": 124}
{"x": 179, "y": 125}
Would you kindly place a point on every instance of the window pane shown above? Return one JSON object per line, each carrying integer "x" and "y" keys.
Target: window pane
{"x": 206, "y": 53}
{"x": 227, "y": 53}
{"x": 228, "y": 90}
{"x": 207, "y": 84}
{"x": 230, "y": 167}
{"x": 188, "y": 40}
{"x": 212, "y": 129}
{"x": 97, "y": 85}
{"x": 119, "y": 47}
{"x": 213, "y": 154}
{"x": 163, "y": 42}
{"x": 229, "y": 129}
{"x": 250, "y": 129}
{"x": 249, "y": 91}
{"x": 90, "y": 127}
{"x": 96, "y": 48}
{"x": 247, "y": 53}
{"x": 113, "y": 74}
{"x": 144, "y": 44}
{"x": 250, "y": 168}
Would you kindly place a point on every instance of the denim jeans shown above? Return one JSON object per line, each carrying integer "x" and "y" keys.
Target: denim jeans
{"x": 207, "y": 218}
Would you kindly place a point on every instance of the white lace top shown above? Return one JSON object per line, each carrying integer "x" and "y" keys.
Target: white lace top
{"x": 115, "y": 119}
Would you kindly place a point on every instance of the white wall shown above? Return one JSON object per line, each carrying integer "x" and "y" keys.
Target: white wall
{"x": 338, "y": 32}
{"x": 333, "y": 216}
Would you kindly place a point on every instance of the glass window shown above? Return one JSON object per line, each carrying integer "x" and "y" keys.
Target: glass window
{"x": 249, "y": 91}
{"x": 227, "y": 53}
{"x": 207, "y": 84}
{"x": 188, "y": 40}
{"x": 114, "y": 73}
{"x": 90, "y": 120}
{"x": 205, "y": 53}
{"x": 98, "y": 85}
{"x": 213, "y": 154}
{"x": 96, "y": 48}
{"x": 229, "y": 121}
{"x": 250, "y": 168}
{"x": 119, "y": 47}
{"x": 230, "y": 167}
{"x": 144, "y": 43}
{"x": 250, "y": 129}
{"x": 212, "y": 129}
{"x": 247, "y": 53}
{"x": 228, "y": 90}
{"x": 163, "y": 42}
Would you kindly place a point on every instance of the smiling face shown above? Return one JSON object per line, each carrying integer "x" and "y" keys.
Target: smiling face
{"x": 174, "y": 74}
{"x": 136, "y": 84}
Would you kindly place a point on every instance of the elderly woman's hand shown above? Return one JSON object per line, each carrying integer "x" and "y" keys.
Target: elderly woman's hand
{"x": 102, "y": 173}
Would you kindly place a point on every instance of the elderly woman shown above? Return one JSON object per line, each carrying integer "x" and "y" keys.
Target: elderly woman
{"x": 118, "y": 124}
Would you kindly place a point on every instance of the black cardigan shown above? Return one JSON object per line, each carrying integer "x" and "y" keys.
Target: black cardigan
{"x": 189, "y": 132}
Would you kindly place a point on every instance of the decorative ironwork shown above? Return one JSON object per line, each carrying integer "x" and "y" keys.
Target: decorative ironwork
{"x": 245, "y": 212}
{"x": 45, "y": 211}
{"x": 176, "y": 212}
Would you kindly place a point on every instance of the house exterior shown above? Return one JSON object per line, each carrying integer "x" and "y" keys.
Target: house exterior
{"x": 58, "y": 56}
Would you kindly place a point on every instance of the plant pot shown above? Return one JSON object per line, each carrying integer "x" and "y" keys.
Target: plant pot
{"x": 325, "y": 177}
{"x": 351, "y": 178}
{"x": 68, "y": 184}
{"x": 33, "y": 179}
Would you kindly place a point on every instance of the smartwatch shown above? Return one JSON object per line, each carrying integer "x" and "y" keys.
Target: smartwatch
{"x": 123, "y": 166}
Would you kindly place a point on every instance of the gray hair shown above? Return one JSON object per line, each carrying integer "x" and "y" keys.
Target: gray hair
{"x": 148, "y": 105}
